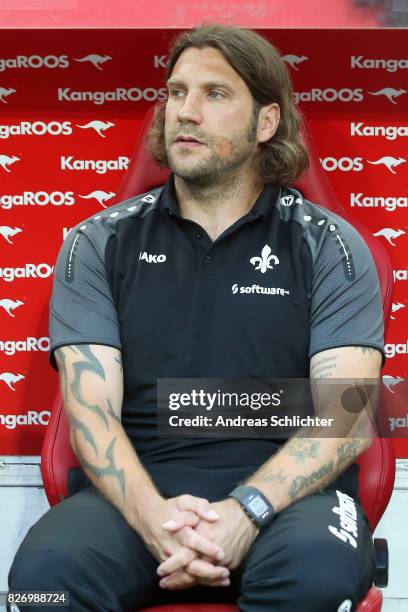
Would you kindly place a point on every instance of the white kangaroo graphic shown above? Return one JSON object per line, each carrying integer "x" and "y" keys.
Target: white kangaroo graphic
{"x": 6, "y": 160}
{"x": 390, "y": 234}
{"x": 294, "y": 60}
{"x": 6, "y": 91}
{"x": 98, "y": 126}
{"x": 395, "y": 307}
{"x": 101, "y": 196}
{"x": 391, "y": 381}
{"x": 389, "y": 162}
{"x": 10, "y": 305}
{"x": 8, "y": 232}
{"x": 264, "y": 261}
{"x": 11, "y": 379}
{"x": 389, "y": 92}
{"x": 95, "y": 59}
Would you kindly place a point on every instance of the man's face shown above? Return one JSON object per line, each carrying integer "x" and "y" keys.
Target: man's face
{"x": 211, "y": 127}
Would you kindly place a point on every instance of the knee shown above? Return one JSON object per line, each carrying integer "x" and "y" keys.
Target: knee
{"x": 39, "y": 570}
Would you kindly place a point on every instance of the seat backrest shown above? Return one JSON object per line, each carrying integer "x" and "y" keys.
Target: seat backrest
{"x": 377, "y": 464}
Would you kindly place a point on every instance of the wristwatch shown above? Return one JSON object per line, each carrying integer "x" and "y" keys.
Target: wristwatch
{"x": 254, "y": 504}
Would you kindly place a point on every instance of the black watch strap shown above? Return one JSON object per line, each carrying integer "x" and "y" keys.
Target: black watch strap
{"x": 255, "y": 504}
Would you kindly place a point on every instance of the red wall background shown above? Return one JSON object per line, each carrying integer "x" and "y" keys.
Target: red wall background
{"x": 71, "y": 102}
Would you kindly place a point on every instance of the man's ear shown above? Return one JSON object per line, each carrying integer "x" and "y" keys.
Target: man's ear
{"x": 268, "y": 121}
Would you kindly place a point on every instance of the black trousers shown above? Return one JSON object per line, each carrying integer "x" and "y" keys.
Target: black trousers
{"x": 316, "y": 556}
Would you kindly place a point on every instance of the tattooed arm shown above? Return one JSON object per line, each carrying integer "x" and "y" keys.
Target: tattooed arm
{"x": 309, "y": 461}
{"x": 92, "y": 386}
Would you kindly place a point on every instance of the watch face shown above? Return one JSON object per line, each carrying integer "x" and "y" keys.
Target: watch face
{"x": 258, "y": 506}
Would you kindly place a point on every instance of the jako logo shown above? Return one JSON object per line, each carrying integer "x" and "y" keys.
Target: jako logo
{"x": 389, "y": 92}
{"x": 98, "y": 126}
{"x": 95, "y": 59}
{"x": 32, "y": 417}
{"x": 389, "y": 234}
{"x": 258, "y": 289}
{"x": 101, "y": 166}
{"x": 133, "y": 94}
{"x": 329, "y": 95}
{"x": 151, "y": 258}
{"x": 39, "y": 198}
{"x": 30, "y": 270}
{"x": 390, "y": 65}
{"x": 11, "y": 347}
{"x": 8, "y": 232}
{"x": 400, "y": 275}
{"x": 294, "y": 60}
{"x": 263, "y": 263}
{"x": 4, "y": 92}
{"x": 396, "y": 306}
{"x": 390, "y": 203}
{"x": 100, "y": 196}
{"x": 392, "y": 349}
{"x": 34, "y": 61}
{"x": 11, "y": 379}
{"x": 10, "y": 305}
{"x": 6, "y": 161}
{"x": 390, "y": 132}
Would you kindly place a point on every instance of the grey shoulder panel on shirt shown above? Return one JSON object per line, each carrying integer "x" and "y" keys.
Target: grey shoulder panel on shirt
{"x": 346, "y": 305}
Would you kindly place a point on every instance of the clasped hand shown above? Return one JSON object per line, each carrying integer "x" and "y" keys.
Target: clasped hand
{"x": 198, "y": 542}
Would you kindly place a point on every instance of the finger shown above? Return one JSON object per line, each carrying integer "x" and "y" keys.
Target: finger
{"x": 199, "y": 505}
{"x": 204, "y": 571}
{"x": 183, "y": 519}
{"x": 192, "y": 539}
{"x": 177, "y": 561}
{"x": 178, "y": 580}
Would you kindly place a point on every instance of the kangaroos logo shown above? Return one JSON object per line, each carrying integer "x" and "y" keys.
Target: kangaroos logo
{"x": 10, "y": 305}
{"x": 8, "y": 232}
{"x": 390, "y": 234}
{"x": 98, "y": 126}
{"x": 294, "y": 60}
{"x": 396, "y": 306}
{"x": 100, "y": 196}
{"x": 391, "y": 381}
{"x": 389, "y": 162}
{"x": 11, "y": 379}
{"x": 6, "y": 161}
{"x": 389, "y": 92}
{"x": 4, "y": 92}
{"x": 263, "y": 263}
{"x": 96, "y": 60}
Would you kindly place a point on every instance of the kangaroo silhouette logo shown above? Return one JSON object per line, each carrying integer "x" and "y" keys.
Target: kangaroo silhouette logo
{"x": 10, "y": 305}
{"x": 8, "y": 232}
{"x": 95, "y": 59}
{"x": 389, "y": 92}
{"x": 100, "y": 196}
{"x": 345, "y": 606}
{"x": 389, "y": 162}
{"x": 263, "y": 263}
{"x": 6, "y": 161}
{"x": 98, "y": 126}
{"x": 6, "y": 91}
{"x": 11, "y": 379}
{"x": 391, "y": 381}
{"x": 396, "y": 307}
{"x": 294, "y": 60}
{"x": 390, "y": 234}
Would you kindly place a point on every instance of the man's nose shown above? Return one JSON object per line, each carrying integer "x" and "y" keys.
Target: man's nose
{"x": 190, "y": 109}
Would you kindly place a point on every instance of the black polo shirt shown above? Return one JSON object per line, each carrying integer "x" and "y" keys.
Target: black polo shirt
{"x": 285, "y": 281}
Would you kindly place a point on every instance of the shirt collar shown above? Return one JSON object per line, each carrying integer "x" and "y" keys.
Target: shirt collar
{"x": 263, "y": 207}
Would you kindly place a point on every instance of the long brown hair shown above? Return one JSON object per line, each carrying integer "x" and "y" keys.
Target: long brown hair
{"x": 283, "y": 158}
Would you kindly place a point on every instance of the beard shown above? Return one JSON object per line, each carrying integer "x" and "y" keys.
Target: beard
{"x": 224, "y": 155}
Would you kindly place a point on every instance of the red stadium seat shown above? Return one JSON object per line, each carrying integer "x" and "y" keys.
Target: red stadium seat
{"x": 377, "y": 464}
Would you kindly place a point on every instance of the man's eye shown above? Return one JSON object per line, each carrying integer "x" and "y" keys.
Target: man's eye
{"x": 216, "y": 95}
{"x": 175, "y": 93}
